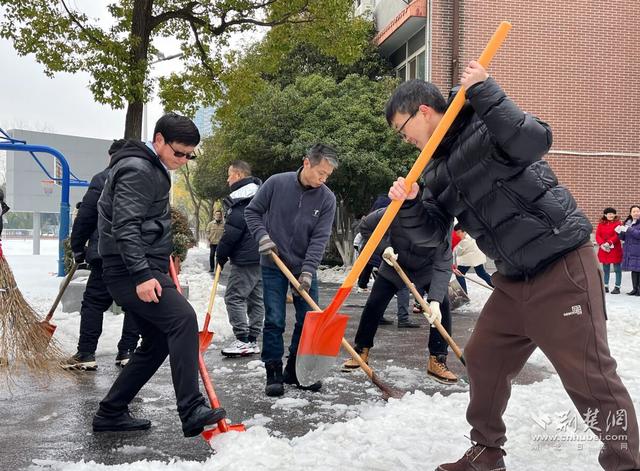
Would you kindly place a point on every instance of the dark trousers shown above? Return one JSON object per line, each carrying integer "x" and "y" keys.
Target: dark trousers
{"x": 95, "y": 301}
{"x": 168, "y": 328}
{"x": 635, "y": 280}
{"x": 480, "y": 271}
{"x": 212, "y": 256}
{"x": 363, "y": 279}
{"x": 561, "y": 311}
{"x": 381, "y": 295}
{"x": 274, "y": 292}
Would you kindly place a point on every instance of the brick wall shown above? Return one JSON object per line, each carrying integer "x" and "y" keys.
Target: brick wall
{"x": 574, "y": 65}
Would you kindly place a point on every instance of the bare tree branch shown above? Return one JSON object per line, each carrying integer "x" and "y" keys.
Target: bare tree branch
{"x": 79, "y": 24}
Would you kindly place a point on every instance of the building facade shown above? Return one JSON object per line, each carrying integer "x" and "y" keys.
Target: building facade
{"x": 570, "y": 63}
{"x": 204, "y": 120}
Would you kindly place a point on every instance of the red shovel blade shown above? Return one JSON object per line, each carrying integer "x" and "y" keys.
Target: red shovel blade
{"x": 205, "y": 336}
{"x": 48, "y": 328}
{"x": 209, "y": 434}
{"x": 204, "y": 339}
{"x": 320, "y": 341}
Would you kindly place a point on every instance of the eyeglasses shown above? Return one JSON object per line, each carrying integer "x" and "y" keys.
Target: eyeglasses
{"x": 400, "y": 129}
{"x": 178, "y": 154}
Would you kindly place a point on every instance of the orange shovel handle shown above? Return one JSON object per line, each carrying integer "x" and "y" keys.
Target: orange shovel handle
{"x": 423, "y": 159}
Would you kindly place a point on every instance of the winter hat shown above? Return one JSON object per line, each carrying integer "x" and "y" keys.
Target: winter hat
{"x": 609, "y": 210}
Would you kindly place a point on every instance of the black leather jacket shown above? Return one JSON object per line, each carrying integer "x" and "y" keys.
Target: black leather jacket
{"x": 134, "y": 220}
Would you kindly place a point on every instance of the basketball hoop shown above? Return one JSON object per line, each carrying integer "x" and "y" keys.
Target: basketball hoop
{"x": 47, "y": 187}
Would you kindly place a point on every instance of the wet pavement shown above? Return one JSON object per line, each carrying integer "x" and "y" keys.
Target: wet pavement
{"x": 54, "y": 421}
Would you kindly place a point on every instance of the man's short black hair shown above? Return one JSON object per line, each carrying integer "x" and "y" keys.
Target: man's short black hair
{"x": 176, "y": 128}
{"x": 317, "y": 152}
{"x": 458, "y": 227}
{"x": 408, "y": 97}
{"x": 242, "y": 167}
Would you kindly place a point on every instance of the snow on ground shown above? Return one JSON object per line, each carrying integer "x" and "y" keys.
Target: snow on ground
{"x": 414, "y": 433}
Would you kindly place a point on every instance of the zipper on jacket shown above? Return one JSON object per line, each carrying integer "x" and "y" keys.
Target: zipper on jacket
{"x": 484, "y": 223}
{"x": 522, "y": 205}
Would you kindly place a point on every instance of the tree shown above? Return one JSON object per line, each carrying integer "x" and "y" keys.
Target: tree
{"x": 346, "y": 114}
{"x": 118, "y": 58}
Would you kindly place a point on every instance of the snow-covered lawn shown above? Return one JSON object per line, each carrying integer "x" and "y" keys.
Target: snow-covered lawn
{"x": 414, "y": 433}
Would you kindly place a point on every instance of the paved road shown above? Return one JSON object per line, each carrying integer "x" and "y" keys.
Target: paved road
{"x": 54, "y": 421}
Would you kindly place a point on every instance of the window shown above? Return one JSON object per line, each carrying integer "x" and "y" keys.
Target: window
{"x": 409, "y": 59}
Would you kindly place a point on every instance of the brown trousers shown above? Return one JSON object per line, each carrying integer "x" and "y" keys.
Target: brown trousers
{"x": 562, "y": 311}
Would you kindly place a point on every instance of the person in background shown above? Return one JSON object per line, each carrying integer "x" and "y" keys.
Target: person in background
{"x": 96, "y": 298}
{"x": 243, "y": 296}
{"x": 4, "y": 208}
{"x": 468, "y": 255}
{"x": 629, "y": 232}
{"x": 609, "y": 248}
{"x": 214, "y": 230}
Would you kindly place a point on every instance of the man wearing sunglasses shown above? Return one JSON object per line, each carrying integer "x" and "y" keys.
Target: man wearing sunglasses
{"x": 135, "y": 243}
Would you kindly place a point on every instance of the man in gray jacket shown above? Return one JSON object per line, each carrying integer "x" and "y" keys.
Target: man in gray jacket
{"x": 291, "y": 215}
{"x": 243, "y": 296}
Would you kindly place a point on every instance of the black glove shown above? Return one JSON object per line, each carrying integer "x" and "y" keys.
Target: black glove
{"x": 305, "y": 279}
{"x": 221, "y": 261}
{"x": 78, "y": 257}
{"x": 266, "y": 245}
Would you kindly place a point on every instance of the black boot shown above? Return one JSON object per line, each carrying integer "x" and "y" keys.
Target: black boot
{"x": 119, "y": 423}
{"x": 201, "y": 416}
{"x": 274, "y": 385}
{"x": 290, "y": 377}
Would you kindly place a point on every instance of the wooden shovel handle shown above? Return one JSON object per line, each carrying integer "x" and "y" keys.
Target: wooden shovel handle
{"x": 296, "y": 284}
{"x": 426, "y": 310}
{"x": 63, "y": 288}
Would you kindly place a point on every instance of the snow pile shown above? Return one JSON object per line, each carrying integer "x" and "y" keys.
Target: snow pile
{"x": 415, "y": 433}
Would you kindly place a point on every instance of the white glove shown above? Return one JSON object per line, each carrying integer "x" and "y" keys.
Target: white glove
{"x": 389, "y": 254}
{"x": 606, "y": 247}
{"x": 620, "y": 229}
{"x": 434, "y": 307}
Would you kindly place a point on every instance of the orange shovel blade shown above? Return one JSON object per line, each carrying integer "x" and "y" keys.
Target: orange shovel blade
{"x": 204, "y": 339}
{"x": 319, "y": 345}
{"x": 209, "y": 434}
{"x": 48, "y": 328}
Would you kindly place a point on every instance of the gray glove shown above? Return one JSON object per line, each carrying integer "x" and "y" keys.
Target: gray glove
{"x": 266, "y": 245}
{"x": 305, "y": 279}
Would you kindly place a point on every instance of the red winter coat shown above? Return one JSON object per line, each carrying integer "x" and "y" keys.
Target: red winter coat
{"x": 606, "y": 233}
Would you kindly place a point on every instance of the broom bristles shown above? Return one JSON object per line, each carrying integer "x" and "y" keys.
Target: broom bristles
{"x": 24, "y": 343}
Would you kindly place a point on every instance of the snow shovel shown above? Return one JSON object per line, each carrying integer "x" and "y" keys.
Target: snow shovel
{"x": 425, "y": 307}
{"x": 457, "y": 296}
{"x": 459, "y": 273}
{"x": 323, "y": 331}
{"x": 387, "y": 391}
{"x": 222, "y": 425}
{"x": 46, "y": 324}
{"x": 205, "y": 335}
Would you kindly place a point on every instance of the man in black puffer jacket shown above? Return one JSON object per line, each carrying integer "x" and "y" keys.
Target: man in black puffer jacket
{"x": 426, "y": 257}
{"x": 243, "y": 296}
{"x": 488, "y": 173}
{"x": 135, "y": 243}
{"x": 96, "y": 298}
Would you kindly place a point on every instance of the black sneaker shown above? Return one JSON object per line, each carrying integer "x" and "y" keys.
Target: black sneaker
{"x": 123, "y": 358}
{"x": 606, "y": 289}
{"x": 201, "y": 417}
{"x": 80, "y": 361}
{"x": 384, "y": 321}
{"x": 121, "y": 423}
{"x": 615, "y": 290}
{"x": 407, "y": 324}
